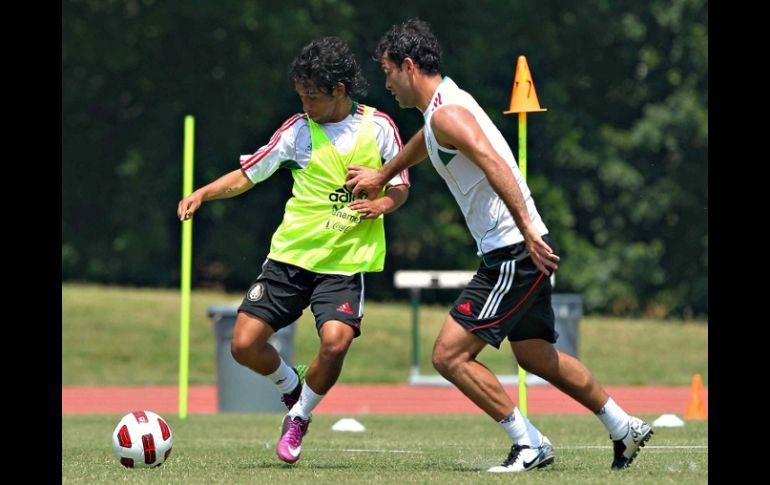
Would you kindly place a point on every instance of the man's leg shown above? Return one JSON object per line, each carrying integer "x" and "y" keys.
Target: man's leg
{"x": 249, "y": 344}
{"x": 572, "y": 377}
{"x": 568, "y": 374}
{"x": 326, "y": 367}
{"x": 454, "y": 357}
{"x": 250, "y": 348}
{"x": 323, "y": 373}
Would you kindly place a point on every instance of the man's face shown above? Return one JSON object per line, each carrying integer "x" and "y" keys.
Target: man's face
{"x": 397, "y": 81}
{"x": 318, "y": 105}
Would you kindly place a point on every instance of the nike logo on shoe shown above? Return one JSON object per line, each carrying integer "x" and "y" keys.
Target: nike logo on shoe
{"x": 289, "y": 446}
{"x": 542, "y": 456}
{"x": 528, "y": 464}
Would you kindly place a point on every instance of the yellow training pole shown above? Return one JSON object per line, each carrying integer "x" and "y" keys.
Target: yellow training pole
{"x": 523, "y": 144}
{"x": 523, "y": 100}
{"x": 184, "y": 324}
{"x": 523, "y": 169}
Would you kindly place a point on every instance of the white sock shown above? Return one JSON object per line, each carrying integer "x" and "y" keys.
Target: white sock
{"x": 284, "y": 378}
{"x": 308, "y": 400}
{"x": 614, "y": 419}
{"x": 521, "y": 430}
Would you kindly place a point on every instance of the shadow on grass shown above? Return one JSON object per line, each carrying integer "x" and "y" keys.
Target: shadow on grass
{"x": 373, "y": 465}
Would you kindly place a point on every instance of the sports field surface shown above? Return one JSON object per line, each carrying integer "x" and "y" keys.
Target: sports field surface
{"x": 120, "y": 353}
{"x": 394, "y": 449}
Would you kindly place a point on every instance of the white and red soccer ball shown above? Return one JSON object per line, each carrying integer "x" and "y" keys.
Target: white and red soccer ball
{"x": 142, "y": 439}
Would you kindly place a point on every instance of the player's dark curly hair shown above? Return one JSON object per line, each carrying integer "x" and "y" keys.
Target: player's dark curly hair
{"x": 412, "y": 39}
{"x": 328, "y": 61}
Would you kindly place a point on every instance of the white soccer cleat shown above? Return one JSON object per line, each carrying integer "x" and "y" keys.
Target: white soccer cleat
{"x": 522, "y": 458}
{"x": 626, "y": 449}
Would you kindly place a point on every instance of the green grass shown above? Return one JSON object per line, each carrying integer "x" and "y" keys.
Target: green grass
{"x": 121, "y": 336}
{"x": 228, "y": 449}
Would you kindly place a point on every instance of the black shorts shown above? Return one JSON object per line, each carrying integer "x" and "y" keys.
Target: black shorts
{"x": 507, "y": 297}
{"x": 282, "y": 291}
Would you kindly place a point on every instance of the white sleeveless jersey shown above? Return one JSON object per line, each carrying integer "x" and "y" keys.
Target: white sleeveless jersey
{"x": 486, "y": 215}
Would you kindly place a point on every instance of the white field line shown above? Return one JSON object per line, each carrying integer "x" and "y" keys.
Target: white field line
{"x": 578, "y": 447}
{"x": 364, "y": 450}
{"x": 648, "y": 447}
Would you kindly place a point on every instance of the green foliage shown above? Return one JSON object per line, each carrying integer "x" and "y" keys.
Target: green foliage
{"x": 618, "y": 164}
{"x": 634, "y": 139}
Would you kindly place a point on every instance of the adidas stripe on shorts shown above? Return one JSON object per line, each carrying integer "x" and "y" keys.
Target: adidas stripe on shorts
{"x": 507, "y": 297}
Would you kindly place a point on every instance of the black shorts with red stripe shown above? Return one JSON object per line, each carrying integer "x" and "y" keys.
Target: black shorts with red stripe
{"x": 507, "y": 297}
{"x": 282, "y": 291}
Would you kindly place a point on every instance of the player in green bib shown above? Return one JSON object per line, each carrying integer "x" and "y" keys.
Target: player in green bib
{"x": 328, "y": 238}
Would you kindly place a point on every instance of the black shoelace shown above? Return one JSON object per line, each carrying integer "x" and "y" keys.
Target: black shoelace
{"x": 514, "y": 454}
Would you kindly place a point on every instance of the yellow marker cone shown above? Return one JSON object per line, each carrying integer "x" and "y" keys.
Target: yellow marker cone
{"x": 696, "y": 406}
{"x": 523, "y": 95}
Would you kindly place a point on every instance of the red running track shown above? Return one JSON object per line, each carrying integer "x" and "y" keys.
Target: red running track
{"x": 372, "y": 399}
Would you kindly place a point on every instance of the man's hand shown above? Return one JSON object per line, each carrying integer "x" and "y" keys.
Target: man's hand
{"x": 369, "y": 209}
{"x": 364, "y": 179}
{"x": 542, "y": 254}
{"x": 188, "y": 206}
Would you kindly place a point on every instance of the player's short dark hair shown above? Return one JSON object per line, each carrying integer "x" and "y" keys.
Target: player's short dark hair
{"x": 326, "y": 62}
{"x": 412, "y": 39}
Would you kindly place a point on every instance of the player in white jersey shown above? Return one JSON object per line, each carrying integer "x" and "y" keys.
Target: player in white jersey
{"x": 510, "y": 295}
{"x": 327, "y": 238}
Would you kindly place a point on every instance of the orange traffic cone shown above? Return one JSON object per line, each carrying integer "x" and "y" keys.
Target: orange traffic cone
{"x": 696, "y": 406}
{"x": 523, "y": 95}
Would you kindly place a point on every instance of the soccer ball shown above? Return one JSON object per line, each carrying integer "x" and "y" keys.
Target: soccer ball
{"x": 142, "y": 439}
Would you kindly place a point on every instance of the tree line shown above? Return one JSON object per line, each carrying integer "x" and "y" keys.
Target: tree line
{"x": 618, "y": 165}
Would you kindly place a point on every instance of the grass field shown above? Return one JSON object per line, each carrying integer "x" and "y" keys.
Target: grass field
{"x": 239, "y": 449}
{"x": 121, "y": 336}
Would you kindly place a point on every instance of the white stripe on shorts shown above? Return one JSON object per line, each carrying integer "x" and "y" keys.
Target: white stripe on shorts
{"x": 361, "y": 302}
{"x": 503, "y": 285}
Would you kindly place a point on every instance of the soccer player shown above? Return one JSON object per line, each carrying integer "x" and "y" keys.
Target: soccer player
{"x": 327, "y": 240}
{"x": 510, "y": 295}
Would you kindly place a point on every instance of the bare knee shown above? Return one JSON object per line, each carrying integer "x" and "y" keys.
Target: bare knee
{"x": 454, "y": 349}
{"x": 334, "y": 351}
{"x": 336, "y": 338}
{"x": 444, "y": 361}
{"x": 247, "y": 345}
{"x": 241, "y": 349}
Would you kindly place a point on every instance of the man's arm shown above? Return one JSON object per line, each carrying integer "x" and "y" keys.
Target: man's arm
{"x": 392, "y": 200}
{"x": 226, "y": 186}
{"x": 363, "y": 179}
{"x": 455, "y": 127}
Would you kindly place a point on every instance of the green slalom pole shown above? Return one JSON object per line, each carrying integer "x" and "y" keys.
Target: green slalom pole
{"x": 184, "y": 324}
{"x": 523, "y": 100}
{"x": 523, "y": 169}
{"x": 523, "y": 144}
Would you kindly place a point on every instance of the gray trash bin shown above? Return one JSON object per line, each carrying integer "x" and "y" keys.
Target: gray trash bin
{"x": 239, "y": 389}
{"x": 567, "y": 308}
